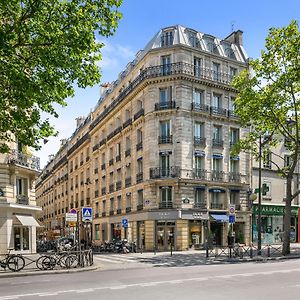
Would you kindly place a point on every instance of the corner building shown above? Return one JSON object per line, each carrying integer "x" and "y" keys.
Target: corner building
{"x": 158, "y": 147}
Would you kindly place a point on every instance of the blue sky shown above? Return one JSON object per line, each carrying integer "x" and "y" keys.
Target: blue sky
{"x": 143, "y": 18}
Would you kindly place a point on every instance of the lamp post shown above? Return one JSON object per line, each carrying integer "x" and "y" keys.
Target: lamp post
{"x": 259, "y": 199}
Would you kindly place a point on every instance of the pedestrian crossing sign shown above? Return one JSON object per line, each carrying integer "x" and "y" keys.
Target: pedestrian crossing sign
{"x": 86, "y": 214}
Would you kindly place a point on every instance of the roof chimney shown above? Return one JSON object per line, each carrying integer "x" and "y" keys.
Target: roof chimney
{"x": 235, "y": 37}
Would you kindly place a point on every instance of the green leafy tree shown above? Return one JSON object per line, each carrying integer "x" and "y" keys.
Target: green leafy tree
{"x": 268, "y": 101}
{"x": 46, "y": 48}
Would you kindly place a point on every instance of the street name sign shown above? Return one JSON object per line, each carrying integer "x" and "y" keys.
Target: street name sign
{"x": 70, "y": 217}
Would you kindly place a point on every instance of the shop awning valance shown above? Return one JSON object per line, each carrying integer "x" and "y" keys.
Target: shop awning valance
{"x": 28, "y": 220}
{"x": 220, "y": 218}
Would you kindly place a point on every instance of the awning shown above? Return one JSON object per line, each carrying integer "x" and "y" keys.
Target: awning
{"x": 220, "y": 218}
{"x": 28, "y": 220}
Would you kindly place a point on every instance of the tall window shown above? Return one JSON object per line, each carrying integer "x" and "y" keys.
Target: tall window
{"x": 22, "y": 186}
{"x": 232, "y": 72}
{"x": 193, "y": 39}
{"x": 267, "y": 161}
{"x": 235, "y": 198}
{"x": 217, "y": 164}
{"x": 234, "y": 165}
{"x": 198, "y": 130}
{"x": 167, "y": 38}
{"x": 140, "y": 197}
{"x": 140, "y": 166}
{"x": 199, "y": 162}
{"x": 199, "y": 198}
{"x": 217, "y": 133}
{"x": 166, "y": 64}
{"x": 166, "y": 196}
{"x": 119, "y": 202}
{"x": 128, "y": 200}
{"x": 216, "y": 71}
{"x": 139, "y": 136}
{"x": 234, "y": 136}
{"x": 217, "y": 101}
{"x": 164, "y": 163}
{"x": 198, "y": 97}
{"x": 197, "y": 66}
{"x": 112, "y": 204}
{"x": 164, "y": 128}
{"x": 165, "y": 95}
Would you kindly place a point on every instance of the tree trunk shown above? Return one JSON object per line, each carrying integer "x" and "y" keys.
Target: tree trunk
{"x": 287, "y": 218}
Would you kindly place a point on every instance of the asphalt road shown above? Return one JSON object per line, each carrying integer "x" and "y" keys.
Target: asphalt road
{"x": 263, "y": 280}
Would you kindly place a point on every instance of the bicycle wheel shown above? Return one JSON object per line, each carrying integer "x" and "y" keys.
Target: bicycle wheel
{"x": 48, "y": 263}
{"x": 71, "y": 261}
{"x": 15, "y": 263}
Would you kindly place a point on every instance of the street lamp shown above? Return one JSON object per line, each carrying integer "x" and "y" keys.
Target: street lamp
{"x": 259, "y": 199}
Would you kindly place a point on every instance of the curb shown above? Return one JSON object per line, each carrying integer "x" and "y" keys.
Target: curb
{"x": 259, "y": 259}
{"x": 35, "y": 273}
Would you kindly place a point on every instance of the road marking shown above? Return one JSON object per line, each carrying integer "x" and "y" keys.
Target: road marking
{"x": 145, "y": 284}
{"x": 114, "y": 259}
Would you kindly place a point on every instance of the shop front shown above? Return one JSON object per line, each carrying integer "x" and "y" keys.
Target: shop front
{"x": 272, "y": 223}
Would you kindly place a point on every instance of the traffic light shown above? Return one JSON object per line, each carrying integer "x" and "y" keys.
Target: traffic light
{"x": 265, "y": 189}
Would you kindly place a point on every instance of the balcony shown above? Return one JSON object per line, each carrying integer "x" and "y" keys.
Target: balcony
{"x": 111, "y": 188}
{"x": 25, "y": 160}
{"x": 111, "y": 212}
{"x": 102, "y": 142}
{"x": 199, "y": 141}
{"x": 118, "y": 158}
{"x": 160, "y": 70}
{"x": 127, "y": 152}
{"x": 138, "y": 114}
{"x": 218, "y": 111}
{"x": 171, "y": 172}
{"x": 201, "y": 205}
{"x": 140, "y": 207}
{"x": 232, "y": 115}
{"x": 103, "y": 191}
{"x": 104, "y": 214}
{"x": 216, "y": 205}
{"x": 234, "y": 177}
{"x": 165, "y": 105}
{"x": 163, "y": 205}
{"x": 118, "y": 130}
{"x": 103, "y": 167}
{"x": 127, "y": 123}
{"x": 96, "y": 193}
{"x": 139, "y": 146}
{"x": 96, "y": 170}
{"x": 217, "y": 175}
{"x": 22, "y": 199}
{"x": 81, "y": 162}
{"x": 111, "y": 162}
{"x": 200, "y": 174}
{"x": 200, "y": 107}
{"x": 119, "y": 211}
{"x": 217, "y": 143}
{"x": 128, "y": 209}
{"x": 139, "y": 177}
{"x": 166, "y": 139}
{"x": 110, "y": 136}
{"x": 128, "y": 181}
{"x": 118, "y": 185}
{"x": 96, "y": 215}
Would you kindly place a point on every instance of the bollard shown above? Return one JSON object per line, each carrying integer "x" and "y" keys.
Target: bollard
{"x": 268, "y": 250}
{"x": 251, "y": 252}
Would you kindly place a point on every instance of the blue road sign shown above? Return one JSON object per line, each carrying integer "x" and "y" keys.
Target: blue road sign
{"x": 231, "y": 219}
{"x": 125, "y": 223}
{"x": 86, "y": 214}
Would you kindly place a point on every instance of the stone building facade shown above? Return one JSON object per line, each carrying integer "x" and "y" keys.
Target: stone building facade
{"x": 18, "y": 210}
{"x": 156, "y": 149}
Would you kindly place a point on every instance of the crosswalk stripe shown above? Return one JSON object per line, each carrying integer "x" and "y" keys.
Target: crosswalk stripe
{"x": 114, "y": 259}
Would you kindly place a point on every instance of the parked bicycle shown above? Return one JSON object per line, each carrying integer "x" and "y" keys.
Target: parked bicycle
{"x": 62, "y": 259}
{"x": 14, "y": 262}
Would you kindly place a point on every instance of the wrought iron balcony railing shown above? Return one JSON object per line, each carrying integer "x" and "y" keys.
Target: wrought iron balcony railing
{"x": 217, "y": 175}
{"x": 172, "y": 69}
{"x": 139, "y": 146}
{"x": 22, "y": 159}
{"x": 200, "y": 107}
{"x": 200, "y": 174}
{"x": 111, "y": 188}
{"x": 217, "y": 143}
{"x": 138, "y": 114}
{"x": 127, "y": 152}
{"x": 165, "y": 105}
{"x": 165, "y": 205}
{"x": 127, "y": 123}
{"x": 201, "y": 205}
{"x": 139, "y": 177}
{"x": 216, "y": 205}
{"x": 218, "y": 111}
{"x": 119, "y": 211}
{"x": 118, "y": 185}
{"x": 234, "y": 177}
{"x": 171, "y": 172}
{"x": 128, "y": 209}
{"x": 165, "y": 139}
{"x": 199, "y": 141}
{"x": 140, "y": 207}
{"x": 22, "y": 199}
{"x": 128, "y": 181}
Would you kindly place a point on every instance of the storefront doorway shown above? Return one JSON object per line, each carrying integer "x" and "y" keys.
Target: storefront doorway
{"x": 216, "y": 231}
{"x": 195, "y": 229}
{"x": 22, "y": 238}
{"x": 165, "y": 234}
{"x": 141, "y": 235}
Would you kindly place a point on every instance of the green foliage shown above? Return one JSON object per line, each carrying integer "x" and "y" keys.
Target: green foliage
{"x": 47, "y": 47}
{"x": 268, "y": 95}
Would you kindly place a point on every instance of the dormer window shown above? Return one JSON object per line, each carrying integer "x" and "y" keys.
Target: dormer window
{"x": 167, "y": 38}
{"x": 210, "y": 45}
{"x": 193, "y": 40}
{"x": 229, "y": 53}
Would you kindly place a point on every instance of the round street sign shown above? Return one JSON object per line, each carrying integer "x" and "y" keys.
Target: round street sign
{"x": 73, "y": 211}
{"x": 232, "y": 209}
